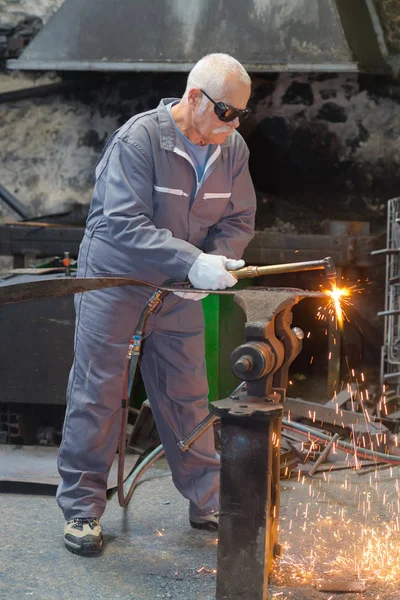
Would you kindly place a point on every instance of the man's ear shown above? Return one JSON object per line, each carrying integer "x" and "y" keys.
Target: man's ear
{"x": 194, "y": 97}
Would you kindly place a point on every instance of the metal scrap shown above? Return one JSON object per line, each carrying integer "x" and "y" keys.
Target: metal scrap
{"x": 340, "y": 585}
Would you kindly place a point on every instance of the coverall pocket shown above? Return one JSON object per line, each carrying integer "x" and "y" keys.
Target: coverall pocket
{"x": 170, "y": 210}
{"x": 210, "y": 208}
{"x": 190, "y": 315}
{"x": 109, "y": 312}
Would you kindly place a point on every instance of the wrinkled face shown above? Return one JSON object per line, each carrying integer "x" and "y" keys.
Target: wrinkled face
{"x": 210, "y": 127}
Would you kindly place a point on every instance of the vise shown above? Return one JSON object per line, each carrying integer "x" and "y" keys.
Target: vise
{"x": 250, "y": 442}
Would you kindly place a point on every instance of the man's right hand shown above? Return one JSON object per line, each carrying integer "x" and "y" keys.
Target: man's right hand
{"x": 209, "y": 272}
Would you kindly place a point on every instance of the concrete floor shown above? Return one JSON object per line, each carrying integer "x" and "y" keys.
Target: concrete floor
{"x": 151, "y": 552}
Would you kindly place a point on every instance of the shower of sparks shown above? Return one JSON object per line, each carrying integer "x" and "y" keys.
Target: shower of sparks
{"x": 365, "y": 553}
{"x": 366, "y": 546}
{"x": 334, "y": 309}
{"x": 355, "y": 536}
{"x": 338, "y": 299}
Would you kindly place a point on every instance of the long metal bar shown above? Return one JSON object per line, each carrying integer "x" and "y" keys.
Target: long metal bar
{"x": 64, "y": 286}
{"x": 331, "y": 417}
{"x": 35, "y": 91}
{"x": 48, "y": 288}
{"x": 201, "y": 428}
{"x": 387, "y": 376}
{"x": 324, "y": 455}
{"x": 385, "y": 251}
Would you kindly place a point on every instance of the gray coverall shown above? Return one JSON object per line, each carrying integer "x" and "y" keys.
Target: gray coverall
{"x": 149, "y": 219}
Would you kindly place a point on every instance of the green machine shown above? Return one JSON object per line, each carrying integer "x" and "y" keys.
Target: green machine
{"x": 224, "y": 331}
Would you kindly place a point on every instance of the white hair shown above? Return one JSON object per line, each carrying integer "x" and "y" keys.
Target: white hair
{"x": 210, "y": 73}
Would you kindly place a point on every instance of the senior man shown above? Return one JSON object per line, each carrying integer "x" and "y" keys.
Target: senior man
{"x": 173, "y": 199}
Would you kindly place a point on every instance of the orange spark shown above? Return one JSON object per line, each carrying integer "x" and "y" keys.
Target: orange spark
{"x": 337, "y": 295}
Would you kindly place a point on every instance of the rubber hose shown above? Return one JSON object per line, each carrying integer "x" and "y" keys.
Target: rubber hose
{"x": 131, "y": 364}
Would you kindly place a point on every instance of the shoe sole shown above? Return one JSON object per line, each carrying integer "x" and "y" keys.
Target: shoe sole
{"x": 86, "y": 549}
{"x": 205, "y": 526}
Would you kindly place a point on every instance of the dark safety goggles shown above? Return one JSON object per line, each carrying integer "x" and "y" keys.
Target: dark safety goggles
{"x": 227, "y": 113}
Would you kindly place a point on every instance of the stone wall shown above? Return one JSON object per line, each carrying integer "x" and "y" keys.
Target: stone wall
{"x": 49, "y": 145}
{"x": 327, "y": 144}
{"x": 12, "y": 11}
{"x": 389, "y": 13}
{"x": 322, "y": 145}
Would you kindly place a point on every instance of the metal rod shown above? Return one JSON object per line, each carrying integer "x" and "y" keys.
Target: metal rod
{"x": 13, "y": 203}
{"x": 385, "y": 251}
{"x": 324, "y": 455}
{"x": 203, "y": 426}
{"x": 391, "y": 375}
{"x": 48, "y": 288}
{"x": 38, "y": 90}
{"x": 380, "y": 467}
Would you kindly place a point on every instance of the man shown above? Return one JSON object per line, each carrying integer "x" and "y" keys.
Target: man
{"x": 173, "y": 199}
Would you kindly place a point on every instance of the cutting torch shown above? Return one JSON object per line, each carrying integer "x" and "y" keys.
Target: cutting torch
{"x": 312, "y": 265}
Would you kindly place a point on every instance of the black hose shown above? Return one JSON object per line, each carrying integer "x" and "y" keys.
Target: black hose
{"x": 131, "y": 363}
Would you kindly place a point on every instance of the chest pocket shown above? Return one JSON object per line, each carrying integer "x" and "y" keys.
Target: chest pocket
{"x": 211, "y": 195}
{"x": 174, "y": 192}
{"x": 211, "y": 206}
{"x": 170, "y": 209}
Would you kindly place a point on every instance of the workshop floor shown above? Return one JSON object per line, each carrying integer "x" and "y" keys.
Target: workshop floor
{"x": 151, "y": 552}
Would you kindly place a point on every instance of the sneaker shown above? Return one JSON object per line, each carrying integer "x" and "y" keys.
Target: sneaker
{"x": 83, "y": 536}
{"x": 207, "y": 522}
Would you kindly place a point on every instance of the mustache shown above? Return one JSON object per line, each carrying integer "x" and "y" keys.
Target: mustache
{"x": 223, "y": 129}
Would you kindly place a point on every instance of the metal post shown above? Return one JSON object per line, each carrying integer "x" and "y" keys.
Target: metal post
{"x": 245, "y": 546}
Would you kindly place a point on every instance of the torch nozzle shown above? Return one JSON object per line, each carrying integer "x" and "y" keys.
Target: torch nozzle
{"x": 330, "y": 271}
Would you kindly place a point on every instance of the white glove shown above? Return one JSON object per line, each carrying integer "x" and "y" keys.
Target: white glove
{"x": 209, "y": 271}
{"x": 191, "y": 295}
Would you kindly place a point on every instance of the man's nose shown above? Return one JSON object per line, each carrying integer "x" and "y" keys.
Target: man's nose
{"x": 235, "y": 123}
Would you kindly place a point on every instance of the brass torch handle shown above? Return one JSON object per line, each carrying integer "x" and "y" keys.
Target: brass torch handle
{"x": 245, "y": 272}
{"x": 252, "y": 271}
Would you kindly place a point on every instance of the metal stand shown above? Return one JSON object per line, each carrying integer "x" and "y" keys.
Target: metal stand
{"x": 250, "y": 444}
{"x": 248, "y": 501}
